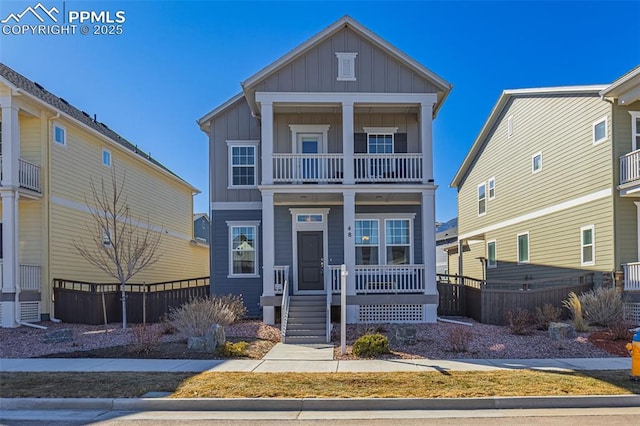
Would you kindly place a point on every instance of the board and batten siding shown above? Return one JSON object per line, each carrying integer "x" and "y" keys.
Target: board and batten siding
{"x": 560, "y": 127}
{"x": 626, "y": 226}
{"x": 235, "y": 123}
{"x": 316, "y": 70}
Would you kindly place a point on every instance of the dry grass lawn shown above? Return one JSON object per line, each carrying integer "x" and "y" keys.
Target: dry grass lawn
{"x": 317, "y": 385}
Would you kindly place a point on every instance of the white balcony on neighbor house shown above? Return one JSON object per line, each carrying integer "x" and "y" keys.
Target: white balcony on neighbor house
{"x": 29, "y": 277}
{"x": 372, "y": 279}
{"x": 28, "y": 174}
{"x": 329, "y": 168}
{"x": 630, "y": 167}
{"x": 632, "y": 276}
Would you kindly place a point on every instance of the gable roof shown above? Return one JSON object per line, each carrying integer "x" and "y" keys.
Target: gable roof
{"x": 626, "y": 88}
{"x": 344, "y": 22}
{"x": 21, "y": 83}
{"x": 505, "y": 97}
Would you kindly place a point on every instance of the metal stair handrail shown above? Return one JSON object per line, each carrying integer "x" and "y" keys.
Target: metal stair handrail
{"x": 284, "y": 307}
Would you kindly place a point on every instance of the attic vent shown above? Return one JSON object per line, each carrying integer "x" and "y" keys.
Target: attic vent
{"x": 346, "y": 66}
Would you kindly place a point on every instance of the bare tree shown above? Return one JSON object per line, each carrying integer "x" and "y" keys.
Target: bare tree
{"x": 119, "y": 246}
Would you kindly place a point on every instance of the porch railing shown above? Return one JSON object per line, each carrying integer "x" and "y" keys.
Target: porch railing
{"x": 281, "y": 277}
{"x": 383, "y": 279}
{"x": 301, "y": 168}
{"x": 284, "y": 307}
{"x": 632, "y": 276}
{"x": 630, "y": 167}
{"x": 388, "y": 167}
{"x": 28, "y": 174}
{"x": 30, "y": 277}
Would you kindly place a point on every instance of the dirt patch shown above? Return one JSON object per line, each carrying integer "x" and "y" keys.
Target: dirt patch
{"x": 603, "y": 340}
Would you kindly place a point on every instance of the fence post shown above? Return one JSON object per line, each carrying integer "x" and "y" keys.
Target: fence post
{"x": 144, "y": 303}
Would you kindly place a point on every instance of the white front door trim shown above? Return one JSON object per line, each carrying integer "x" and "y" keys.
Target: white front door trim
{"x": 309, "y": 226}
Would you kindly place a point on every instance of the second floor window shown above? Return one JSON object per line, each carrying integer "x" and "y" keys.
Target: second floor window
{"x": 482, "y": 199}
{"x": 492, "y": 188}
{"x": 242, "y": 165}
{"x": 59, "y": 134}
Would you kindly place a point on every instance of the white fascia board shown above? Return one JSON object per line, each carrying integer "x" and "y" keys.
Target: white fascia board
{"x": 497, "y": 110}
{"x": 340, "y": 98}
{"x": 204, "y": 120}
{"x": 358, "y": 188}
{"x": 107, "y": 139}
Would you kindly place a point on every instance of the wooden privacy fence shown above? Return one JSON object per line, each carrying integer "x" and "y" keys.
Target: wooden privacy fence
{"x": 90, "y": 303}
{"x": 488, "y": 301}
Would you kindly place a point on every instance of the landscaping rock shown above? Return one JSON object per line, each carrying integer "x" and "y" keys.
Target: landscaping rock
{"x": 561, "y": 330}
{"x": 58, "y": 336}
{"x": 209, "y": 342}
{"x": 404, "y": 335}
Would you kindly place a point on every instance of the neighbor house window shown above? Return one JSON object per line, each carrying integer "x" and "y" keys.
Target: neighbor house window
{"x": 346, "y": 66}
{"x": 242, "y": 164}
{"x": 106, "y": 157}
{"x": 635, "y": 129}
{"x": 523, "y": 248}
{"x": 367, "y": 242}
{"x": 600, "y": 130}
{"x": 491, "y": 255}
{"x": 587, "y": 242}
{"x": 243, "y": 253}
{"x": 59, "y": 134}
{"x": 106, "y": 239}
{"x": 398, "y": 241}
{"x": 536, "y": 163}
{"x": 492, "y": 188}
{"x": 482, "y": 199}
{"x": 510, "y": 126}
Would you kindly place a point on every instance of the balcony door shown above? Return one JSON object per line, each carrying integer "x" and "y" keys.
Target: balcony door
{"x": 310, "y": 166}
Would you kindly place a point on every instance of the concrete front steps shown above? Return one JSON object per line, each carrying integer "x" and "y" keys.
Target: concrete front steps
{"x": 307, "y": 320}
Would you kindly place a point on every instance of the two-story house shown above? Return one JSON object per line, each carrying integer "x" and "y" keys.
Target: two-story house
{"x": 201, "y": 227}
{"x": 50, "y": 153}
{"x": 324, "y": 159}
{"x": 550, "y": 185}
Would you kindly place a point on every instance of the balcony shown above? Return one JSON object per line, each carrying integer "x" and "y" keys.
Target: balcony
{"x": 292, "y": 168}
{"x": 28, "y": 175}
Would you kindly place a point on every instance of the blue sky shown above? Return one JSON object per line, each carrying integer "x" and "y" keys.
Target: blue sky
{"x": 177, "y": 60}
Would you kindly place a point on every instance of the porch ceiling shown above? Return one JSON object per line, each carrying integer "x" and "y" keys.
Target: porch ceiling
{"x": 337, "y": 109}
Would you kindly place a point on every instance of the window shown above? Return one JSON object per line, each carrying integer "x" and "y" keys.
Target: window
{"x": 398, "y": 241}
{"x": 587, "y": 242}
{"x": 106, "y": 239}
{"x": 367, "y": 242}
{"x": 482, "y": 199}
{"x": 536, "y": 163}
{"x": 492, "y": 188}
{"x": 309, "y": 218}
{"x": 492, "y": 261}
{"x": 243, "y": 253}
{"x": 106, "y": 157}
{"x": 242, "y": 163}
{"x": 600, "y": 130}
{"x": 60, "y": 134}
{"x": 346, "y": 66}
{"x": 510, "y": 126}
{"x": 523, "y": 248}
{"x": 635, "y": 129}
{"x": 380, "y": 143}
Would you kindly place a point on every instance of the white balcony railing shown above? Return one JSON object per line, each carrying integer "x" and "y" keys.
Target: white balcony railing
{"x": 28, "y": 174}
{"x": 630, "y": 167}
{"x": 383, "y": 279}
{"x": 301, "y": 168}
{"x": 281, "y": 277}
{"x": 632, "y": 276}
{"x": 29, "y": 277}
{"x": 388, "y": 167}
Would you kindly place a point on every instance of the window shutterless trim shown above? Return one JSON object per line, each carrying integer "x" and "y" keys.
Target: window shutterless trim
{"x": 239, "y": 144}
{"x": 236, "y": 224}
{"x": 106, "y": 151}
{"x": 64, "y": 134}
{"x": 490, "y": 188}
{"x": 533, "y": 162}
{"x": 495, "y": 254}
{"x": 606, "y": 130}
{"x": 484, "y": 198}
{"x": 591, "y": 228}
{"x": 522, "y": 262}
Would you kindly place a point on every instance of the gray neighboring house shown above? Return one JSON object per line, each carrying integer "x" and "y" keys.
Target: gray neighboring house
{"x": 325, "y": 158}
{"x": 444, "y": 240}
{"x": 201, "y": 227}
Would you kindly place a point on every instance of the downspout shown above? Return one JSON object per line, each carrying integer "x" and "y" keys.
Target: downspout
{"x": 51, "y": 304}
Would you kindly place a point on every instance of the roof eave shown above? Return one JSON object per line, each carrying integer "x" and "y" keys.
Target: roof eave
{"x": 205, "y": 120}
{"x": 618, "y": 86}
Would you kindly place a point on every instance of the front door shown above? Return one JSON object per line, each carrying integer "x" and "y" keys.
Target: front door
{"x": 310, "y": 262}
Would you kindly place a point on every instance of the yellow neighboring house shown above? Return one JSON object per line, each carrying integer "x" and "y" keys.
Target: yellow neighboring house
{"x": 50, "y": 153}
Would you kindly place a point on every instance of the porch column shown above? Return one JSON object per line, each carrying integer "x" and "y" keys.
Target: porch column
{"x": 349, "y": 198}
{"x": 347, "y": 143}
{"x": 426, "y": 114}
{"x": 9, "y": 194}
{"x": 268, "y": 255}
{"x": 430, "y": 313}
{"x": 267, "y": 142}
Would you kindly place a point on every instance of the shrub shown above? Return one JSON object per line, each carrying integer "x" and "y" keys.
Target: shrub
{"x": 520, "y": 321}
{"x": 546, "y": 315}
{"x": 602, "y": 306}
{"x": 574, "y": 306}
{"x": 229, "y": 349}
{"x": 371, "y": 345}
{"x": 620, "y": 330}
{"x": 195, "y": 318}
{"x": 459, "y": 338}
{"x": 145, "y": 338}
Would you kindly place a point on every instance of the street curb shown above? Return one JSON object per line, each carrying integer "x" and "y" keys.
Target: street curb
{"x": 318, "y": 404}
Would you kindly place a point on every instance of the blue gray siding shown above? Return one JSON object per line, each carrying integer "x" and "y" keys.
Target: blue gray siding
{"x": 249, "y": 288}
